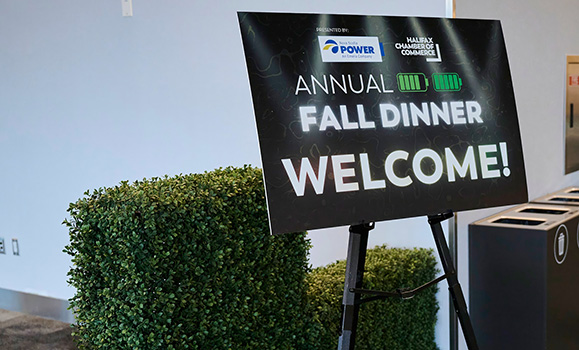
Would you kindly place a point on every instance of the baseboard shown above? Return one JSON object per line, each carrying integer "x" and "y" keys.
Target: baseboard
{"x": 37, "y": 305}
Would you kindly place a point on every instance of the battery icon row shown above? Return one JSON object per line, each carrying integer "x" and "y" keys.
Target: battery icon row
{"x": 446, "y": 82}
{"x": 412, "y": 82}
{"x": 417, "y": 82}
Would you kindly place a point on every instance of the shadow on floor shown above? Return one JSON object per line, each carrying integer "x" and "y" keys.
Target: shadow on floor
{"x": 24, "y": 332}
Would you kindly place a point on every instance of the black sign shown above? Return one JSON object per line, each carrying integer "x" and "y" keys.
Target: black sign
{"x": 366, "y": 118}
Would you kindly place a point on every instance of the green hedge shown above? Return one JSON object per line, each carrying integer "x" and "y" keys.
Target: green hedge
{"x": 393, "y": 324}
{"x": 186, "y": 263}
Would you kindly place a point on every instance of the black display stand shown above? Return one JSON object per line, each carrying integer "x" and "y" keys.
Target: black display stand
{"x": 353, "y": 290}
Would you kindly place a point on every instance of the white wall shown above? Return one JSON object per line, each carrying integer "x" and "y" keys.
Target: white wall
{"x": 89, "y": 98}
{"x": 538, "y": 34}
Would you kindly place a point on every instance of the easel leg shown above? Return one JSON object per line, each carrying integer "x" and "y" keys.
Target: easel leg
{"x": 357, "y": 246}
{"x": 452, "y": 278}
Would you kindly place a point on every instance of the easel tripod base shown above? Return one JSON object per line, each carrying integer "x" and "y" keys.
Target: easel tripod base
{"x": 353, "y": 291}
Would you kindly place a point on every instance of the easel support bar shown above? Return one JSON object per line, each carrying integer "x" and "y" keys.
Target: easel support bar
{"x": 401, "y": 293}
{"x": 357, "y": 246}
{"x": 452, "y": 278}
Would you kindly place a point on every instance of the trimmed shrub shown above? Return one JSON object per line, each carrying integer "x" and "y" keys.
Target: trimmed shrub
{"x": 187, "y": 263}
{"x": 392, "y": 324}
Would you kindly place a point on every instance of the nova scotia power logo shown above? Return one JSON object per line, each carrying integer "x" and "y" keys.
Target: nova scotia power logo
{"x": 350, "y": 49}
{"x": 331, "y": 45}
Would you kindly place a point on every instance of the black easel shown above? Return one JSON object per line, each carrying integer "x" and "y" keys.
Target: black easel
{"x": 353, "y": 291}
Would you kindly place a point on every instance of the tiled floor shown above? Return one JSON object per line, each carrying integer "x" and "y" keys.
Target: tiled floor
{"x": 23, "y": 332}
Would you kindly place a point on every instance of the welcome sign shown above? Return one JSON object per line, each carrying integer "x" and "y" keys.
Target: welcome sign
{"x": 367, "y": 118}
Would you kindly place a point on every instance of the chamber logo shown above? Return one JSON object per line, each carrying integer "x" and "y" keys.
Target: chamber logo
{"x": 350, "y": 49}
{"x": 418, "y": 46}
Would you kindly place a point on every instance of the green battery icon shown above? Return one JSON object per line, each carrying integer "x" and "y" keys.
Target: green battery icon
{"x": 412, "y": 82}
{"x": 446, "y": 82}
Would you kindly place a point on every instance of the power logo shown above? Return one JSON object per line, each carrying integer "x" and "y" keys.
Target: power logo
{"x": 350, "y": 49}
{"x": 331, "y": 45}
